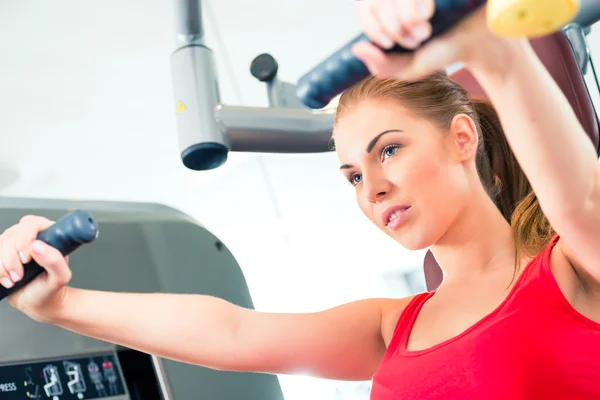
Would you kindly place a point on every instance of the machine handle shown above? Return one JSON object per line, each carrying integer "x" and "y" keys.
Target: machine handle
{"x": 66, "y": 235}
{"x": 342, "y": 69}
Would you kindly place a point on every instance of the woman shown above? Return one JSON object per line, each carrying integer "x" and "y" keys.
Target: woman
{"x": 517, "y": 314}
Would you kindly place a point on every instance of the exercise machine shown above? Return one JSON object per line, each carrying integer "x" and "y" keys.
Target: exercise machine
{"x": 141, "y": 248}
{"x": 208, "y": 130}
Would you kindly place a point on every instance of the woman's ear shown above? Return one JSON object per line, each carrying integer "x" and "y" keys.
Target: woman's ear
{"x": 463, "y": 133}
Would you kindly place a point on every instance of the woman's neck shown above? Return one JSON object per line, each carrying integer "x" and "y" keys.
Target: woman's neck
{"x": 480, "y": 241}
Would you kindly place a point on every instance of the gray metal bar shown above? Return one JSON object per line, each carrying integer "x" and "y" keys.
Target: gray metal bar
{"x": 276, "y": 130}
{"x": 283, "y": 94}
{"x": 589, "y": 13}
{"x": 196, "y": 95}
{"x": 163, "y": 381}
{"x": 189, "y": 25}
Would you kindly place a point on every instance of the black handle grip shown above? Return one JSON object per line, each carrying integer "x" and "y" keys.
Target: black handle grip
{"x": 66, "y": 235}
{"x": 342, "y": 69}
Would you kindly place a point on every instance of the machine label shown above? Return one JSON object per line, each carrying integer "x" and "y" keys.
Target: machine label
{"x": 93, "y": 377}
{"x": 8, "y": 387}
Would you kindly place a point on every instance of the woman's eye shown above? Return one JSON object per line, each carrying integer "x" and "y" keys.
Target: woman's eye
{"x": 389, "y": 151}
{"x": 355, "y": 179}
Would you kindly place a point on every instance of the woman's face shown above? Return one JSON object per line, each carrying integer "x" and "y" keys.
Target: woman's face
{"x": 409, "y": 176}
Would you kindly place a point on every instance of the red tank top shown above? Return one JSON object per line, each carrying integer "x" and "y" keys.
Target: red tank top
{"x": 535, "y": 345}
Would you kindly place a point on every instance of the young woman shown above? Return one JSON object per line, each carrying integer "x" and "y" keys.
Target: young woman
{"x": 518, "y": 313}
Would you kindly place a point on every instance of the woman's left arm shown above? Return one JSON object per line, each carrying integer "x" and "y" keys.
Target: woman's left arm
{"x": 551, "y": 146}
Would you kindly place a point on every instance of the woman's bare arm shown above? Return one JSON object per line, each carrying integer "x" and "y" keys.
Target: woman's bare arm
{"x": 342, "y": 343}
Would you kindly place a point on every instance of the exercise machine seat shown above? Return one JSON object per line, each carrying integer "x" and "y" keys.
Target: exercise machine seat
{"x": 557, "y": 55}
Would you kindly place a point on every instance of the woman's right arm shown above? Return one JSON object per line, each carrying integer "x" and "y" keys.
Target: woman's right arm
{"x": 342, "y": 343}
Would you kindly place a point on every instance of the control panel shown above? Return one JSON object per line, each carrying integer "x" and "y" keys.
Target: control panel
{"x": 96, "y": 376}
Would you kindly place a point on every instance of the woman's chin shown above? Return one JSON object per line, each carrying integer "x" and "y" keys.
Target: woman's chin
{"x": 412, "y": 239}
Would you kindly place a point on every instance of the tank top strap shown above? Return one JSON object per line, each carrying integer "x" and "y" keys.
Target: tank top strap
{"x": 537, "y": 285}
{"x": 538, "y": 269}
{"x": 406, "y": 320}
{"x": 545, "y": 256}
{"x": 543, "y": 263}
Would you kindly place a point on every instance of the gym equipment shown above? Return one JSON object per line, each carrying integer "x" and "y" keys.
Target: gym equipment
{"x": 342, "y": 70}
{"x": 143, "y": 248}
{"x": 208, "y": 130}
{"x": 66, "y": 235}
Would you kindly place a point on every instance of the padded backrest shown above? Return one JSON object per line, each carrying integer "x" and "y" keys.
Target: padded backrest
{"x": 556, "y": 54}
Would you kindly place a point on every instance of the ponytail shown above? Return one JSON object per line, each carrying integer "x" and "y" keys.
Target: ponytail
{"x": 506, "y": 183}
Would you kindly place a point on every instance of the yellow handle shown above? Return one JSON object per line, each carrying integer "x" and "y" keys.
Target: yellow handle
{"x": 530, "y": 18}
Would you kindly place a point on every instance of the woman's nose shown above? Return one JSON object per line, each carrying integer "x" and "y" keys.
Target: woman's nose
{"x": 376, "y": 188}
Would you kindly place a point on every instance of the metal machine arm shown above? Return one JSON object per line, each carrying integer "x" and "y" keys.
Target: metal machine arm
{"x": 208, "y": 130}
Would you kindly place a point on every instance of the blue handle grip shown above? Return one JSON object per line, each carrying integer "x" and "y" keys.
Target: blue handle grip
{"x": 342, "y": 69}
{"x": 66, "y": 235}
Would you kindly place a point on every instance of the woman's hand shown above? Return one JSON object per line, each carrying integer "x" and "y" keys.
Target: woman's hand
{"x": 405, "y": 22}
{"x": 41, "y": 298}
